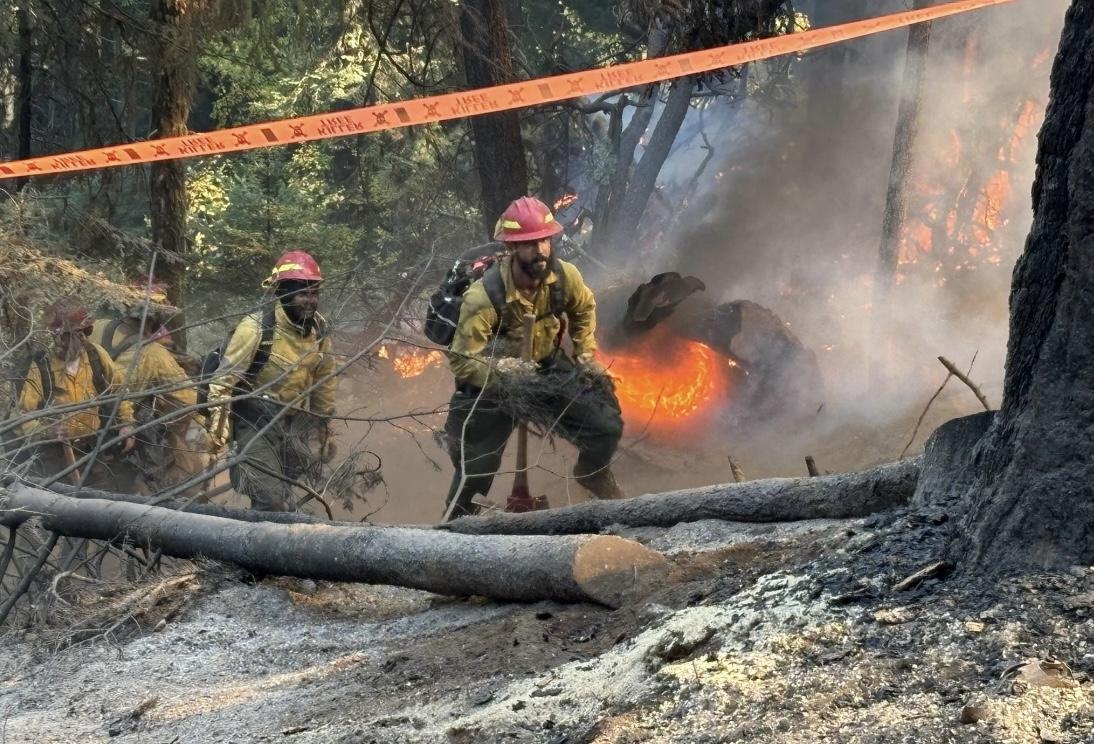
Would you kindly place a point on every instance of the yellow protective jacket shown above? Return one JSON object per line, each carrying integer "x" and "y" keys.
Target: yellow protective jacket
{"x": 474, "y": 347}
{"x": 296, "y": 363}
{"x": 69, "y": 389}
{"x": 155, "y": 368}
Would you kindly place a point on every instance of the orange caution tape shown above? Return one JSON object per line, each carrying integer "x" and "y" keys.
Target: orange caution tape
{"x": 474, "y": 102}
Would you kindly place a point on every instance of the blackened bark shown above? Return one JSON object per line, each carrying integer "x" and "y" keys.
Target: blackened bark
{"x": 772, "y": 500}
{"x": 1031, "y": 504}
{"x": 172, "y": 98}
{"x": 25, "y": 78}
{"x": 915, "y": 62}
{"x": 499, "y": 149}
{"x": 644, "y": 180}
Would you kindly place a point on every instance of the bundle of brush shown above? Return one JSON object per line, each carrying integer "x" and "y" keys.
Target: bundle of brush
{"x": 539, "y": 394}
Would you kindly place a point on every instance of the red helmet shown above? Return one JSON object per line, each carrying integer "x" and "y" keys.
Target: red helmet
{"x": 294, "y": 265}
{"x": 68, "y": 315}
{"x": 527, "y": 218}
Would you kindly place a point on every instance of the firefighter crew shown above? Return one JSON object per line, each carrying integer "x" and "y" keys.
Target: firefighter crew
{"x": 72, "y": 370}
{"x": 281, "y": 360}
{"x": 486, "y": 346}
{"x": 178, "y": 449}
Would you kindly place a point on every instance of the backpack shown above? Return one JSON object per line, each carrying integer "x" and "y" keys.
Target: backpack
{"x": 211, "y": 362}
{"x": 443, "y": 313}
{"x": 108, "y": 339}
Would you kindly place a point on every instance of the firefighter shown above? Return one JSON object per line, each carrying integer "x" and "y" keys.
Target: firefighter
{"x": 281, "y": 361}
{"x": 72, "y": 371}
{"x": 528, "y": 280}
{"x": 178, "y": 449}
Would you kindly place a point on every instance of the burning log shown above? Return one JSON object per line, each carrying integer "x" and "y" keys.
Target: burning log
{"x": 773, "y": 500}
{"x": 782, "y": 378}
{"x": 604, "y": 569}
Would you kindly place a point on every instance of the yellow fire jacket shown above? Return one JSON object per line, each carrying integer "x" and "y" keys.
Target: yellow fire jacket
{"x": 69, "y": 389}
{"x": 155, "y": 368}
{"x": 474, "y": 347}
{"x": 297, "y": 362}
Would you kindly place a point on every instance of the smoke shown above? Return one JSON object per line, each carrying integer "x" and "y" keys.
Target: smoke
{"x": 791, "y": 209}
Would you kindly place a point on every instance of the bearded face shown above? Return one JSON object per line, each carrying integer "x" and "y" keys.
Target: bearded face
{"x": 534, "y": 258}
{"x": 299, "y": 299}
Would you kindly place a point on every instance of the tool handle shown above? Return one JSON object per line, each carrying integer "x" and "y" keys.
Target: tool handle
{"x": 521, "y": 477}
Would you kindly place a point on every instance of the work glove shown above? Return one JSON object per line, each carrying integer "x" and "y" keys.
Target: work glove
{"x": 220, "y": 427}
{"x": 593, "y": 371}
{"x": 129, "y": 441}
{"x": 327, "y": 448}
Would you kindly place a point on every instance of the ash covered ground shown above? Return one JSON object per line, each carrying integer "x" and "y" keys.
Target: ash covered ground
{"x": 768, "y": 633}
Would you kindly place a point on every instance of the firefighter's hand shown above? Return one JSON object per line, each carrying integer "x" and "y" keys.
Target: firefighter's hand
{"x": 593, "y": 369}
{"x": 327, "y": 449}
{"x": 219, "y": 429}
{"x": 129, "y": 441}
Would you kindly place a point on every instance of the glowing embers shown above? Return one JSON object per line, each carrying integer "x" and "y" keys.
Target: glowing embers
{"x": 667, "y": 382}
{"x": 410, "y": 361}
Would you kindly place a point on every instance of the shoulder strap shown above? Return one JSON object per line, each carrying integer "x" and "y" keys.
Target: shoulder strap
{"x": 265, "y": 343}
{"x": 558, "y": 293}
{"x": 98, "y": 374}
{"x": 108, "y": 337}
{"x": 45, "y": 375}
{"x": 494, "y": 285}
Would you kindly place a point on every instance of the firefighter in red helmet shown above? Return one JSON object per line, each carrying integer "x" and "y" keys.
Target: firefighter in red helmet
{"x": 281, "y": 361}
{"x": 486, "y": 347}
{"x": 70, "y": 372}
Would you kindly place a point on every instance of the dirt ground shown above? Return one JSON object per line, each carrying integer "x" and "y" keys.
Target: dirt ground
{"x": 788, "y": 633}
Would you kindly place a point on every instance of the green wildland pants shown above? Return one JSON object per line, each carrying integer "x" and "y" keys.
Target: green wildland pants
{"x": 478, "y": 427}
{"x": 286, "y": 449}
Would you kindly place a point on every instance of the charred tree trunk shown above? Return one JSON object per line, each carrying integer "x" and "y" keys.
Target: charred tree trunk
{"x": 601, "y": 569}
{"x": 644, "y": 180}
{"x": 25, "y": 78}
{"x": 1031, "y": 503}
{"x": 499, "y": 149}
{"x": 610, "y": 199}
{"x": 172, "y": 97}
{"x": 772, "y": 500}
{"x": 907, "y": 123}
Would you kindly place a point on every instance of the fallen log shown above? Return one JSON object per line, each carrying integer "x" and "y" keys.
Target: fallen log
{"x": 839, "y": 496}
{"x": 195, "y": 507}
{"x": 603, "y": 569}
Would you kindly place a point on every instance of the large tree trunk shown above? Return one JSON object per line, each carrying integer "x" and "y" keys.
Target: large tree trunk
{"x": 642, "y": 183}
{"x": 915, "y": 62}
{"x": 772, "y": 500}
{"x": 25, "y": 78}
{"x": 173, "y": 94}
{"x": 1031, "y": 504}
{"x": 499, "y": 150}
{"x": 603, "y": 569}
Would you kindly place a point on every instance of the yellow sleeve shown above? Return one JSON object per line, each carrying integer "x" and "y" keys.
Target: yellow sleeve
{"x": 116, "y": 377}
{"x": 237, "y": 357}
{"x": 466, "y": 355}
{"x": 323, "y": 396}
{"x": 157, "y": 370}
{"x": 580, "y": 313}
{"x": 30, "y": 398}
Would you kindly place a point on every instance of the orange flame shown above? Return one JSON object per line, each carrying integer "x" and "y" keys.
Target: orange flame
{"x": 666, "y": 381}
{"x": 410, "y": 362}
{"x": 564, "y": 201}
